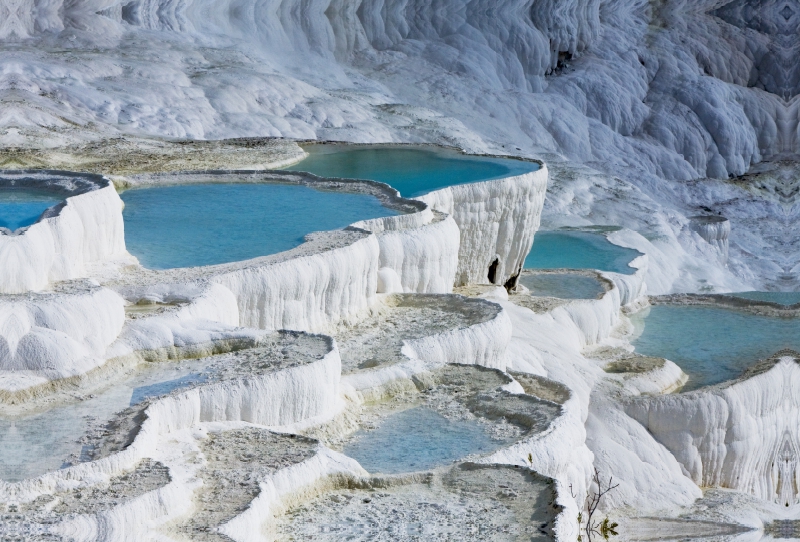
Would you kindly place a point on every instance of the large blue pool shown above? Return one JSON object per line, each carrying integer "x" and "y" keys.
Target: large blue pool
{"x": 413, "y": 171}
{"x": 20, "y": 207}
{"x": 578, "y": 250}
{"x": 712, "y": 344}
{"x": 206, "y": 224}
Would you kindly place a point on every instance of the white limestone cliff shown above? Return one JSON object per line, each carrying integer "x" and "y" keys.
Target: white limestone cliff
{"x": 87, "y": 230}
{"x": 497, "y": 220}
{"x": 738, "y": 435}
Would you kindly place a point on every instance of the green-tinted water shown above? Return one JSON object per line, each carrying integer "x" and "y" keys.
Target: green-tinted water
{"x": 712, "y": 344}
{"x": 413, "y": 171}
{"x": 578, "y": 250}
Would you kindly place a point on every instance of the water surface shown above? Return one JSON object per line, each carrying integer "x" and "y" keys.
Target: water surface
{"x": 579, "y": 250}
{"x": 207, "y": 224}
{"x": 562, "y": 285}
{"x": 20, "y": 207}
{"x": 413, "y": 171}
{"x": 418, "y": 439}
{"x": 44, "y": 442}
{"x": 712, "y": 344}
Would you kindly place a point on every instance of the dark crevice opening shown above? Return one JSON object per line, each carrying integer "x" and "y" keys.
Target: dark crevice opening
{"x": 512, "y": 281}
{"x": 493, "y": 270}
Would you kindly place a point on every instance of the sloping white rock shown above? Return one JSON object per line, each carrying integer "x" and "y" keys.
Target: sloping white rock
{"x": 307, "y": 293}
{"x": 88, "y": 229}
{"x": 740, "y": 436}
{"x": 55, "y": 335}
{"x": 497, "y": 220}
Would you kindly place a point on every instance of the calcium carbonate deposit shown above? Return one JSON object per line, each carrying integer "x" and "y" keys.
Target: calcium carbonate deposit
{"x": 399, "y": 270}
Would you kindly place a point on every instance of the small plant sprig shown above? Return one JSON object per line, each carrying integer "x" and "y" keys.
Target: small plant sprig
{"x": 603, "y": 528}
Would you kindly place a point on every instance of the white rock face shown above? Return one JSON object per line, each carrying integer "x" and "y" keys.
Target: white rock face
{"x": 497, "y": 221}
{"x": 309, "y": 292}
{"x": 418, "y": 251}
{"x": 420, "y": 260}
{"x": 46, "y": 337}
{"x": 87, "y": 230}
{"x": 647, "y": 94}
{"x": 740, "y": 436}
{"x": 716, "y": 231}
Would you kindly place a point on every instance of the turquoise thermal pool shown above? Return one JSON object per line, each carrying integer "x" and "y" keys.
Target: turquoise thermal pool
{"x": 20, "y": 207}
{"x": 562, "y": 285}
{"x": 33, "y": 445}
{"x": 711, "y": 344}
{"x": 413, "y": 171}
{"x": 418, "y": 439}
{"x": 207, "y": 224}
{"x": 781, "y": 298}
{"x": 579, "y": 250}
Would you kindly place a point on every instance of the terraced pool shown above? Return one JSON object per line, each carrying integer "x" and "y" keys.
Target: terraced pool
{"x": 207, "y": 224}
{"x": 43, "y": 442}
{"x": 578, "y": 250}
{"x": 562, "y": 285}
{"x": 413, "y": 171}
{"x": 20, "y": 207}
{"x": 418, "y": 439}
{"x": 712, "y": 344}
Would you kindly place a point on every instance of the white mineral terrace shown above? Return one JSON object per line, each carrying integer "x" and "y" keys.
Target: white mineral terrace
{"x": 403, "y": 376}
{"x": 399, "y": 270}
{"x": 479, "y": 409}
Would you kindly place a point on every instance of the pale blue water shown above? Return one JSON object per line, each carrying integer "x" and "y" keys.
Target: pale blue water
{"x": 418, "y": 439}
{"x": 20, "y": 207}
{"x": 33, "y": 445}
{"x": 156, "y": 389}
{"x": 712, "y": 344}
{"x": 781, "y": 298}
{"x": 206, "y": 224}
{"x": 412, "y": 171}
{"x": 578, "y": 250}
{"x": 562, "y": 285}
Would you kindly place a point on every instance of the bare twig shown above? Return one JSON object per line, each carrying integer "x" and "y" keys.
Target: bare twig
{"x": 603, "y": 528}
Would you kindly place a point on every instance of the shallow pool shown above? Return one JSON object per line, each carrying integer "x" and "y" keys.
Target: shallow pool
{"x": 20, "y": 207}
{"x": 712, "y": 344}
{"x": 418, "y": 439}
{"x": 413, "y": 171}
{"x": 33, "y": 445}
{"x": 781, "y": 298}
{"x": 578, "y": 250}
{"x": 562, "y": 285}
{"x": 206, "y": 224}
